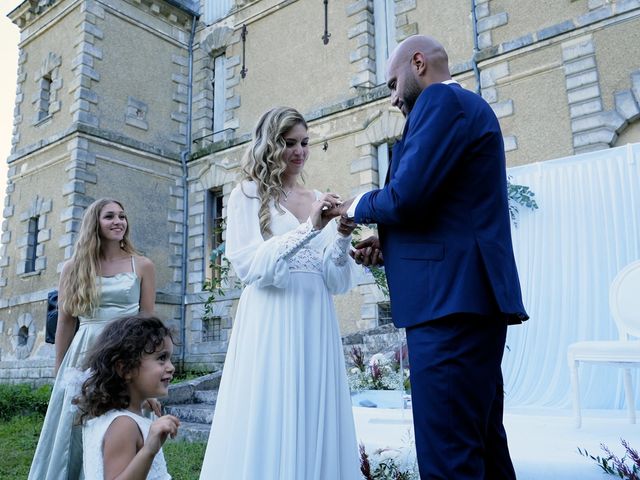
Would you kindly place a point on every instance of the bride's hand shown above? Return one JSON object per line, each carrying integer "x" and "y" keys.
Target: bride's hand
{"x": 323, "y": 210}
{"x": 346, "y": 226}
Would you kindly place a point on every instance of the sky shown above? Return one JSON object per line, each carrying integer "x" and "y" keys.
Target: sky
{"x": 9, "y": 37}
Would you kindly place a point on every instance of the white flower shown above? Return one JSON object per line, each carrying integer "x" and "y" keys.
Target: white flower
{"x": 73, "y": 378}
{"x": 378, "y": 358}
{"x": 388, "y": 454}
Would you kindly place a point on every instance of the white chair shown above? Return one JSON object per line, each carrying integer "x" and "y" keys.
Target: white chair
{"x": 624, "y": 302}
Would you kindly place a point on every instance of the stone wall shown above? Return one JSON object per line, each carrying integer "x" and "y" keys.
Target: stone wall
{"x": 382, "y": 339}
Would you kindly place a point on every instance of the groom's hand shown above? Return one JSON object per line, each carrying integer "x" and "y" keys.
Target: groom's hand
{"x": 368, "y": 253}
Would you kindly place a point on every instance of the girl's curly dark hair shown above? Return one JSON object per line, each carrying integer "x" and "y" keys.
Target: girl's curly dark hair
{"x": 119, "y": 346}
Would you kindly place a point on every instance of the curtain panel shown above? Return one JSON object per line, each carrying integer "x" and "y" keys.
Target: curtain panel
{"x": 586, "y": 229}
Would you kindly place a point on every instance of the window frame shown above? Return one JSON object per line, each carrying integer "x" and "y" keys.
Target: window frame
{"x": 32, "y": 244}
{"x": 388, "y": 319}
{"x": 384, "y": 23}
{"x": 218, "y": 86}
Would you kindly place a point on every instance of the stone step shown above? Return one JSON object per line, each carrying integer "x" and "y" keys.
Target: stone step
{"x": 206, "y": 396}
{"x": 184, "y": 392}
{"x": 193, "y": 432}
{"x": 192, "y": 412}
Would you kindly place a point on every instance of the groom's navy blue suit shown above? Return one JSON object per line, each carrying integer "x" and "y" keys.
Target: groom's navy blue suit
{"x": 445, "y": 235}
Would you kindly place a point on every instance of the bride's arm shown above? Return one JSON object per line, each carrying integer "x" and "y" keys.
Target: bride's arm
{"x": 340, "y": 271}
{"x": 254, "y": 259}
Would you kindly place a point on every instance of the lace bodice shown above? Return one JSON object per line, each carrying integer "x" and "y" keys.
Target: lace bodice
{"x": 303, "y": 255}
{"x": 292, "y": 247}
{"x": 92, "y": 438}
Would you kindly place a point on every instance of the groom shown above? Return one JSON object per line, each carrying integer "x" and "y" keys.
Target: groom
{"x": 445, "y": 238}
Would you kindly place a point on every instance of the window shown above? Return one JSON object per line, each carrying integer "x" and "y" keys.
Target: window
{"x": 23, "y": 336}
{"x": 211, "y": 329}
{"x": 384, "y": 159}
{"x": 384, "y": 21}
{"x": 44, "y": 102}
{"x": 384, "y": 313}
{"x": 32, "y": 245}
{"x": 215, "y": 227}
{"x": 219, "y": 97}
{"x": 48, "y": 82}
{"x": 214, "y": 10}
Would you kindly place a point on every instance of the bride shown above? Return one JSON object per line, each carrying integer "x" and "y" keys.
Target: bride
{"x": 284, "y": 409}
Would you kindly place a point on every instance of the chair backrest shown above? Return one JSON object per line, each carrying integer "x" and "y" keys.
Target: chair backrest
{"x": 624, "y": 300}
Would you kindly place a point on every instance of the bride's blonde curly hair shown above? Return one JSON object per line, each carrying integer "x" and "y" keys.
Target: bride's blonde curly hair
{"x": 263, "y": 161}
{"x": 80, "y": 285}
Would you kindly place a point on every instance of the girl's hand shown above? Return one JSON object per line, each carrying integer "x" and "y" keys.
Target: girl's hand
{"x": 159, "y": 431}
{"x": 324, "y": 210}
{"x": 153, "y": 405}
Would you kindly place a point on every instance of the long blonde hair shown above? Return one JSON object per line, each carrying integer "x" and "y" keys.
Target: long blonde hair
{"x": 263, "y": 161}
{"x": 80, "y": 284}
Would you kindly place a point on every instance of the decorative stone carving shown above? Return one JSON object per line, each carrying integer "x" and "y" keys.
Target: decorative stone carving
{"x": 23, "y": 336}
{"x": 215, "y": 39}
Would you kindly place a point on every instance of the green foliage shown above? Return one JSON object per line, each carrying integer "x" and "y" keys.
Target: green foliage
{"x": 220, "y": 274}
{"x": 614, "y": 465}
{"x": 185, "y": 375}
{"x": 18, "y": 440}
{"x": 184, "y": 459}
{"x": 22, "y": 399}
{"x": 379, "y": 277}
{"x": 519, "y": 195}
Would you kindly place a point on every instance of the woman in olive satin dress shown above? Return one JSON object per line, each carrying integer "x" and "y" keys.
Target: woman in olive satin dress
{"x": 103, "y": 280}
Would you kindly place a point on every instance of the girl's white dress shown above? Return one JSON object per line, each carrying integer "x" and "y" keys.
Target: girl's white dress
{"x": 284, "y": 409}
{"x": 58, "y": 455}
{"x": 93, "y": 438}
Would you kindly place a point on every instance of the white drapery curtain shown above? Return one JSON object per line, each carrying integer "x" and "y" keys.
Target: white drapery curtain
{"x": 587, "y": 228}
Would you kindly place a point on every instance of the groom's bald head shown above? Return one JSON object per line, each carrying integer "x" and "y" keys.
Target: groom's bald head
{"x": 414, "y": 64}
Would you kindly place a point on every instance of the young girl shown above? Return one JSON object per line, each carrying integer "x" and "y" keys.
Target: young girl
{"x": 130, "y": 363}
{"x": 103, "y": 280}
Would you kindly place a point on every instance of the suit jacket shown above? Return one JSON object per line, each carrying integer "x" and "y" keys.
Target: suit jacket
{"x": 443, "y": 215}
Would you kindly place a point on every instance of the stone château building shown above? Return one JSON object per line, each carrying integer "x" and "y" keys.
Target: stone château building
{"x": 152, "y": 102}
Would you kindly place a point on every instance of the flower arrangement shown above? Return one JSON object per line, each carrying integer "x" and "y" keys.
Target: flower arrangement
{"x": 381, "y": 372}
{"x": 391, "y": 463}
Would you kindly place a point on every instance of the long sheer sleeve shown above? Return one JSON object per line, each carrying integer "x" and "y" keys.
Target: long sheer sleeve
{"x": 254, "y": 259}
{"x": 339, "y": 270}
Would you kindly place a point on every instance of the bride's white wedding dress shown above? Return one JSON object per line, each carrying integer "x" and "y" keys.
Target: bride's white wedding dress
{"x": 284, "y": 410}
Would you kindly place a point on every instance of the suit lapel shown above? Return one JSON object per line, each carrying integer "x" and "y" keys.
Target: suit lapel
{"x": 396, "y": 151}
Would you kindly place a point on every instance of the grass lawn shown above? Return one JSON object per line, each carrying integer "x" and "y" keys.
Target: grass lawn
{"x": 19, "y": 437}
{"x": 18, "y": 440}
{"x": 184, "y": 459}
